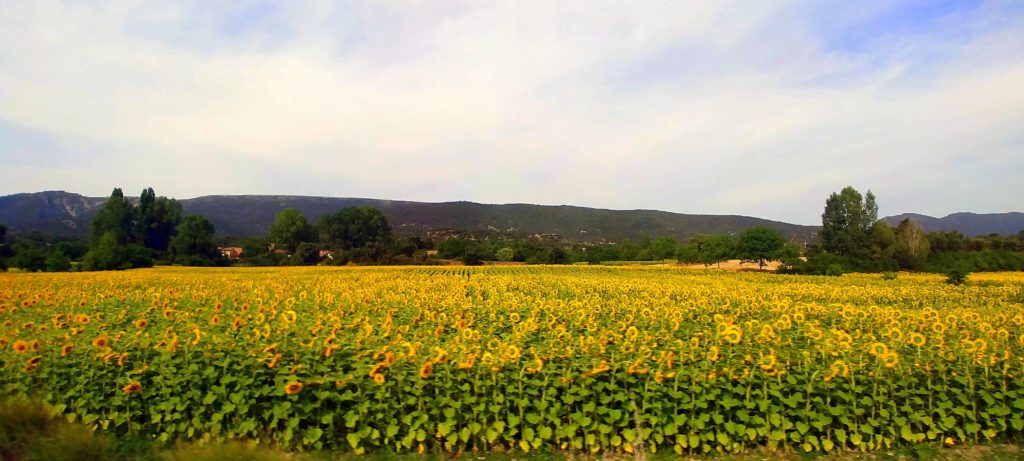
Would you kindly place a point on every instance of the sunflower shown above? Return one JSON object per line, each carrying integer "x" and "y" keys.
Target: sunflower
{"x": 141, "y": 323}
{"x": 890, "y": 359}
{"x": 600, "y": 368}
{"x": 712, "y": 354}
{"x": 733, "y": 334}
{"x": 426, "y": 369}
{"x": 274, "y": 361}
{"x": 839, "y": 368}
{"x": 101, "y": 341}
{"x": 132, "y": 388}
{"x": 32, "y": 363}
{"x": 19, "y": 346}
{"x": 292, "y": 388}
{"x": 767, "y": 361}
{"x": 878, "y": 349}
{"x": 378, "y": 378}
{"x": 82, "y": 319}
{"x": 917, "y": 339}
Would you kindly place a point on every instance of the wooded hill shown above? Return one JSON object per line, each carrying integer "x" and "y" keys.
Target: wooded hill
{"x": 69, "y": 214}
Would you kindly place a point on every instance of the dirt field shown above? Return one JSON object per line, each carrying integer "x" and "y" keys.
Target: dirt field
{"x": 736, "y": 265}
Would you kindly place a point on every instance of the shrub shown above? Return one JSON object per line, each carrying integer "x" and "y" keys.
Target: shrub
{"x": 834, "y": 270}
{"x": 472, "y": 258}
{"x": 957, "y": 276}
{"x": 890, "y": 275}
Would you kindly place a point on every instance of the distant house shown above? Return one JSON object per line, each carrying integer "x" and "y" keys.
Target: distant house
{"x": 326, "y": 254}
{"x": 230, "y": 252}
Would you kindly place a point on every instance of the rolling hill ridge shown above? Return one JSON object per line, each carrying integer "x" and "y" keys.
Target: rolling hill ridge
{"x": 69, "y": 214}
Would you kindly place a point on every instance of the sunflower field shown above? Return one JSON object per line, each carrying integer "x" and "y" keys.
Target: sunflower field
{"x": 578, "y": 358}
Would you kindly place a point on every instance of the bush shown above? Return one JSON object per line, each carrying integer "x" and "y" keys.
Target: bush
{"x": 834, "y": 270}
{"x": 472, "y": 258}
{"x": 957, "y": 276}
{"x": 889, "y": 275}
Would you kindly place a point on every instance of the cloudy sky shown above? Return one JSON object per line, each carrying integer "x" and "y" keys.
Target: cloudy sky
{"x": 757, "y": 108}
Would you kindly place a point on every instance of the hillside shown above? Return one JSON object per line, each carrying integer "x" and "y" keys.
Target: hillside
{"x": 240, "y": 215}
{"x": 969, "y": 224}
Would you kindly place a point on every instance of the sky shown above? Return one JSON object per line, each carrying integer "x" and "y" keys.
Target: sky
{"x": 758, "y": 108}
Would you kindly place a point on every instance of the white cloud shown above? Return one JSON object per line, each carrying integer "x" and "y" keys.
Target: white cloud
{"x": 703, "y": 107}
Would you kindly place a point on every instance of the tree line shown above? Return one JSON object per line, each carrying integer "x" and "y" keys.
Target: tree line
{"x": 154, "y": 231}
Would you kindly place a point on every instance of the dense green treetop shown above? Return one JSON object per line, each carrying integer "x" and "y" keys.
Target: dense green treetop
{"x": 290, "y": 228}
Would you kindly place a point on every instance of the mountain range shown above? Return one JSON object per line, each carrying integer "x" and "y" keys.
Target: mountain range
{"x": 969, "y": 224}
{"x": 69, "y": 214}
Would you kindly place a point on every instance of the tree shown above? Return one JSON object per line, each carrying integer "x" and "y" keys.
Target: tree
{"x": 115, "y": 224}
{"x": 117, "y": 216}
{"x": 883, "y": 245}
{"x": 57, "y": 261}
{"x": 256, "y": 246}
{"x": 194, "y": 245}
{"x": 306, "y": 254}
{"x": 506, "y": 254}
{"x": 29, "y": 258}
{"x": 472, "y": 257}
{"x": 290, "y": 228}
{"x": 557, "y": 256}
{"x": 452, "y": 248}
{"x": 760, "y": 244}
{"x": 713, "y": 249}
{"x": 911, "y": 245}
{"x": 355, "y": 227}
{"x": 847, "y": 221}
{"x": 157, "y": 220}
{"x": 106, "y": 254}
{"x": 662, "y": 248}
{"x": 4, "y": 250}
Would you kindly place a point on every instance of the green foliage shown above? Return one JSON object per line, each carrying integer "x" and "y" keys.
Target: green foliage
{"x": 713, "y": 249}
{"x": 506, "y": 254}
{"x": 472, "y": 257}
{"x": 116, "y": 218}
{"x": 355, "y": 227}
{"x": 976, "y": 261}
{"x": 109, "y": 254}
{"x": 306, "y": 254}
{"x": 452, "y": 248}
{"x": 57, "y": 261}
{"x": 760, "y": 245}
{"x": 883, "y": 245}
{"x": 957, "y": 275}
{"x": 29, "y": 258}
{"x": 833, "y": 270}
{"x": 123, "y": 236}
{"x": 157, "y": 221}
{"x": 255, "y": 247}
{"x": 194, "y": 245}
{"x": 847, "y": 223}
{"x": 890, "y": 275}
{"x": 290, "y": 228}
